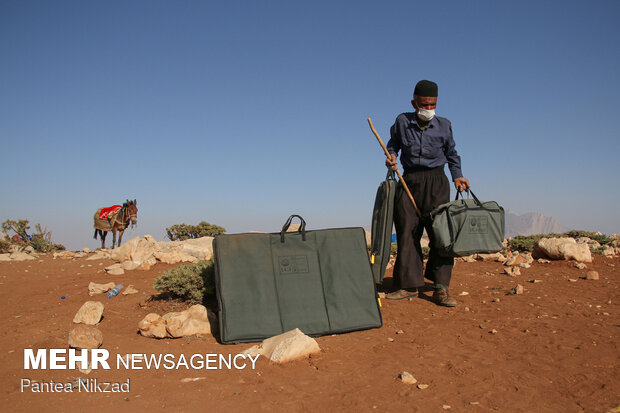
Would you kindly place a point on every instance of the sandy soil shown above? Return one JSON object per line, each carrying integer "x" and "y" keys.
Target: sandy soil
{"x": 555, "y": 349}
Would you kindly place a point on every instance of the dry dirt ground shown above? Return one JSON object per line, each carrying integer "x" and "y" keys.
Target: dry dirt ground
{"x": 555, "y": 348}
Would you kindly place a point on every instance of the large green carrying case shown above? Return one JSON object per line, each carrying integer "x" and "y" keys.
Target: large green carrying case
{"x": 318, "y": 281}
{"x": 467, "y": 226}
{"x": 381, "y": 230}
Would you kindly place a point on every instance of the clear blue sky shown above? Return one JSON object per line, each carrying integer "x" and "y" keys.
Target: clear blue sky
{"x": 242, "y": 113}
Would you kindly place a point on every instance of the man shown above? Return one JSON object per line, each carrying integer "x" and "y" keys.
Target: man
{"x": 426, "y": 145}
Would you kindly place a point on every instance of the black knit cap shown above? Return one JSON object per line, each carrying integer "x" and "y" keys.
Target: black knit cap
{"x": 426, "y": 88}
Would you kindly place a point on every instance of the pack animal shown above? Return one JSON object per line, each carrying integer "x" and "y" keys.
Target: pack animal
{"x": 116, "y": 220}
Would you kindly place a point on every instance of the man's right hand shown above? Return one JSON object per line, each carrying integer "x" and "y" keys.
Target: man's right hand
{"x": 391, "y": 162}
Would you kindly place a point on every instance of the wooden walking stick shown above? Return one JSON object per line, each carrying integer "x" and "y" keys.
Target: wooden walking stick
{"x": 402, "y": 181}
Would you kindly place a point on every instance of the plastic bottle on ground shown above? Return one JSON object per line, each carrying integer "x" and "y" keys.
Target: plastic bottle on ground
{"x": 114, "y": 291}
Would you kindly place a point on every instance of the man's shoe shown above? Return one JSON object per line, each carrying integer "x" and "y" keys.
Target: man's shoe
{"x": 441, "y": 297}
{"x": 402, "y": 294}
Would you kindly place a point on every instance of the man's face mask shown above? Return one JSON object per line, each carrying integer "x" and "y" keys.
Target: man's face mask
{"x": 425, "y": 115}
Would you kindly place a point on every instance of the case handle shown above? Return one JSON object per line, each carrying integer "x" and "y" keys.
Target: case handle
{"x": 287, "y": 224}
{"x": 469, "y": 191}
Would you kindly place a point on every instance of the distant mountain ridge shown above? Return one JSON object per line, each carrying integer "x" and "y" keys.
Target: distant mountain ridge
{"x": 531, "y": 223}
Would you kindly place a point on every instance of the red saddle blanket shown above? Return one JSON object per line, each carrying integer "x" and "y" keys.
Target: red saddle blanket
{"x": 108, "y": 212}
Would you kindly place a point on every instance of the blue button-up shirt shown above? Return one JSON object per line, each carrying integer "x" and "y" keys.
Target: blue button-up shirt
{"x": 428, "y": 148}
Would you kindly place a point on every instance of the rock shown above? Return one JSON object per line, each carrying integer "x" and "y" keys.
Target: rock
{"x": 368, "y": 239}
{"x": 129, "y": 290}
{"x": 543, "y": 261}
{"x": 136, "y": 249}
{"x": 572, "y": 280}
{"x": 535, "y": 281}
{"x": 496, "y": 257}
{"x": 446, "y": 407}
{"x": 94, "y": 288}
{"x": 578, "y": 265}
{"x": 130, "y": 265}
{"x": 189, "y": 258}
{"x": 422, "y": 386}
{"x": 29, "y": 250}
{"x": 512, "y": 271}
{"x": 589, "y": 242}
{"x": 172, "y": 257}
{"x": 592, "y": 275}
{"x": 192, "y": 321}
{"x": 608, "y": 251}
{"x": 21, "y": 256}
{"x": 562, "y": 249}
{"x": 468, "y": 258}
{"x": 64, "y": 255}
{"x": 86, "y": 250}
{"x": 524, "y": 265}
{"x": 285, "y": 347}
{"x": 153, "y": 325}
{"x": 494, "y": 331}
{"x": 5, "y": 257}
{"x": 463, "y": 293}
{"x": 515, "y": 260}
{"x": 123, "y": 253}
{"x": 425, "y": 241}
{"x": 99, "y": 255}
{"x": 407, "y": 378}
{"x": 192, "y": 379}
{"x": 145, "y": 266}
{"x": 14, "y": 248}
{"x": 496, "y": 300}
{"x": 144, "y": 249}
{"x": 200, "y": 248}
{"x": 87, "y": 370}
{"x": 89, "y": 313}
{"x": 518, "y": 289}
{"x": 391, "y": 262}
{"x": 82, "y": 337}
{"x": 115, "y": 269}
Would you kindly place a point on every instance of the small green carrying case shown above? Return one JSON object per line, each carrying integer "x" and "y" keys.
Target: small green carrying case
{"x": 381, "y": 229}
{"x": 467, "y": 226}
{"x": 318, "y": 281}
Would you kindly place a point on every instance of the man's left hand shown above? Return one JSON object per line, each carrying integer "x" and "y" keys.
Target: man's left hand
{"x": 461, "y": 184}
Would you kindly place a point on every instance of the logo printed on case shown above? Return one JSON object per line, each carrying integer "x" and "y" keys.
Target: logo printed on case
{"x": 478, "y": 224}
{"x": 293, "y": 264}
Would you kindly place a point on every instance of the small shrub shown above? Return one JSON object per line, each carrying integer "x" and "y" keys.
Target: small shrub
{"x": 182, "y": 232}
{"x": 525, "y": 243}
{"x": 41, "y": 245}
{"x": 41, "y": 240}
{"x": 393, "y": 248}
{"x": 600, "y": 238}
{"x": 18, "y": 227}
{"x": 189, "y": 282}
{"x": 425, "y": 251}
{"x": 4, "y": 246}
{"x": 596, "y": 250}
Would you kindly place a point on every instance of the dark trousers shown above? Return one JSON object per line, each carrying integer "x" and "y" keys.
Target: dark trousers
{"x": 430, "y": 188}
